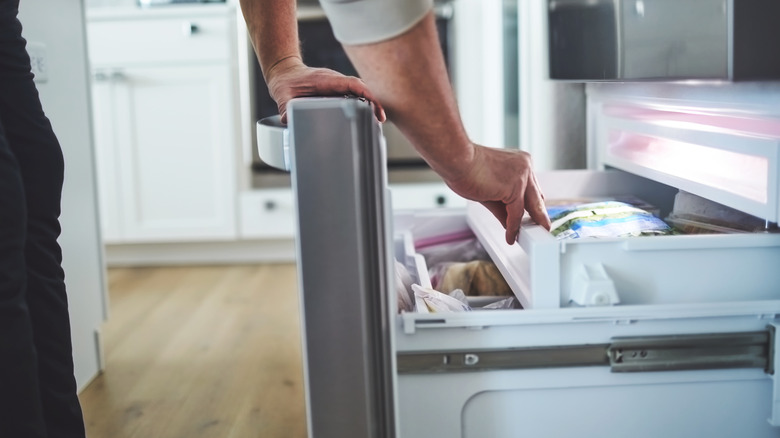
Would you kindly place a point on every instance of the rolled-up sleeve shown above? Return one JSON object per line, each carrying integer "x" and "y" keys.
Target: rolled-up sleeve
{"x": 370, "y": 21}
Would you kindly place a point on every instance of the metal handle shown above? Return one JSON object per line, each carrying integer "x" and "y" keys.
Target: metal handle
{"x": 101, "y": 76}
{"x": 273, "y": 142}
{"x": 109, "y": 75}
{"x": 118, "y": 75}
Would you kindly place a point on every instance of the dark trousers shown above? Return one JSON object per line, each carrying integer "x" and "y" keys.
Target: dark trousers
{"x": 37, "y": 387}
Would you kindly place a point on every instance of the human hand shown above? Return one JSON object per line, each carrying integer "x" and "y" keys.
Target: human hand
{"x": 290, "y": 78}
{"x": 503, "y": 181}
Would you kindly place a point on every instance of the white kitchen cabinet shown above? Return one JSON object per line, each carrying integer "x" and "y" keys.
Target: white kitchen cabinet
{"x": 165, "y": 126}
{"x": 270, "y": 213}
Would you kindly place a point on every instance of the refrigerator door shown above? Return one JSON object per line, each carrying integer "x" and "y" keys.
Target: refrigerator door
{"x": 338, "y": 174}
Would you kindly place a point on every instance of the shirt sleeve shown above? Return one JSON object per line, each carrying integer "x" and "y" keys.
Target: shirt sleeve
{"x": 370, "y": 21}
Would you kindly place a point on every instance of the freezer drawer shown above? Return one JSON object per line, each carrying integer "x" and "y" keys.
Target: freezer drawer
{"x": 548, "y": 273}
{"x": 665, "y": 368}
{"x": 657, "y": 364}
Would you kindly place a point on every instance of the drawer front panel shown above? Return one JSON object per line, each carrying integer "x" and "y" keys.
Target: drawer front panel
{"x": 268, "y": 214}
{"x": 156, "y": 41}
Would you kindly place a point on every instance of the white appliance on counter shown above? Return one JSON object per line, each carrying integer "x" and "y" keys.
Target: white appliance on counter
{"x": 689, "y": 350}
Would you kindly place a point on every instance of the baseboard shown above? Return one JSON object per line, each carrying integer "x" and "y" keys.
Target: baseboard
{"x": 201, "y": 253}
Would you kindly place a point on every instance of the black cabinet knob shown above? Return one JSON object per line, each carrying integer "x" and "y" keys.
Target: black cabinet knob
{"x": 189, "y": 28}
{"x": 441, "y": 200}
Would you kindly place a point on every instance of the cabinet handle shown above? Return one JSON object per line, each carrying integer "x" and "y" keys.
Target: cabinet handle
{"x": 441, "y": 200}
{"x": 100, "y": 76}
{"x": 118, "y": 75}
{"x": 109, "y": 75}
{"x": 270, "y": 205}
{"x": 189, "y": 28}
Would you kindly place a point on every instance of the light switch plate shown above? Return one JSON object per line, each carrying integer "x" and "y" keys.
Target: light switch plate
{"x": 38, "y": 61}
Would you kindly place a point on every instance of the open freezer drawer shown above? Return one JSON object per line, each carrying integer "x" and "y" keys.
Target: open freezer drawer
{"x": 548, "y": 273}
{"x": 656, "y": 367}
{"x": 672, "y": 369}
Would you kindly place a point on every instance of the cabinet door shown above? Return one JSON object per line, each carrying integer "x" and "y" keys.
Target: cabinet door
{"x": 105, "y": 135}
{"x": 177, "y": 154}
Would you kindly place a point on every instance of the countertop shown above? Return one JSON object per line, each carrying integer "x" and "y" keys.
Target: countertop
{"x": 131, "y": 11}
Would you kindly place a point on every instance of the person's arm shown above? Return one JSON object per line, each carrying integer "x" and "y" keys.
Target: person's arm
{"x": 273, "y": 29}
{"x": 408, "y": 75}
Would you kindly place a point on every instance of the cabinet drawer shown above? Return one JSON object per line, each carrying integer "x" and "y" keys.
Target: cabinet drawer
{"x": 159, "y": 40}
{"x": 268, "y": 213}
{"x": 424, "y": 196}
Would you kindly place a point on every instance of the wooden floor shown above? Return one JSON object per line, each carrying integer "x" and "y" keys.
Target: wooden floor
{"x": 200, "y": 352}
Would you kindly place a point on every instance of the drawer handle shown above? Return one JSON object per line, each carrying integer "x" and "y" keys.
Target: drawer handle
{"x": 270, "y": 205}
{"x": 118, "y": 75}
{"x": 189, "y": 29}
{"x": 109, "y": 75}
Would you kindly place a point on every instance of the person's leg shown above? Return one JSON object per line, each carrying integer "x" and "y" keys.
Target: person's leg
{"x": 33, "y": 143}
{"x": 20, "y": 406}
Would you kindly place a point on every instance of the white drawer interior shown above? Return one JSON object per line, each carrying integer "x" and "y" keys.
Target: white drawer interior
{"x": 545, "y": 272}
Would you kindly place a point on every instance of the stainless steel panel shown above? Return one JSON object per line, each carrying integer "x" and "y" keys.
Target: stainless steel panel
{"x": 337, "y": 166}
{"x": 663, "y": 39}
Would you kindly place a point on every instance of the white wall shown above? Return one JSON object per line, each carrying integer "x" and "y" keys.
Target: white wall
{"x": 552, "y": 113}
{"x": 59, "y": 26}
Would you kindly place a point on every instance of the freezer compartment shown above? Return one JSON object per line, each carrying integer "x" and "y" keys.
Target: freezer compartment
{"x": 439, "y": 245}
{"x": 545, "y": 272}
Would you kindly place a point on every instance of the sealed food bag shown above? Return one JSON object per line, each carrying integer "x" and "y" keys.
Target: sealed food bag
{"x": 506, "y": 303}
{"x": 458, "y": 247}
{"x": 603, "y": 219}
{"x": 458, "y": 261}
{"x": 475, "y": 278}
{"x": 403, "y": 288}
{"x": 437, "y": 302}
{"x": 696, "y": 215}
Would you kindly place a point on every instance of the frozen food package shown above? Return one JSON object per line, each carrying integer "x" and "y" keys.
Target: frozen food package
{"x": 603, "y": 219}
{"x": 474, "y": 278}
{"x": 694, "y": 214}
{"x": 506, "y": 303}
{"x": 437, "y": 302}
{"x": 459, "y": 248}
{"x": 685, "y": 224}
{"x": 403, "y": 288}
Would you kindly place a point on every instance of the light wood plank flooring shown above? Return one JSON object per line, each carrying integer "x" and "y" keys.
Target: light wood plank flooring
{"x": 200, "y": 352}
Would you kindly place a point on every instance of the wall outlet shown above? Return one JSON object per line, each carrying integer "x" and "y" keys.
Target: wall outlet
{"x": 38, "y": 61}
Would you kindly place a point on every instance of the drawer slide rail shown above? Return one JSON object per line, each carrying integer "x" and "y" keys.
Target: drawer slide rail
{"x": 622, "y": 354}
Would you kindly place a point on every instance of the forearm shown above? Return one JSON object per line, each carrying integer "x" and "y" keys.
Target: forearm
{"x": 273, "y": 29}
{"x": 408, "y": 75}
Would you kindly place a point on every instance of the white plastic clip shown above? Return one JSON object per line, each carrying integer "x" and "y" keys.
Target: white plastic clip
{"x": 593, "y": 287}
